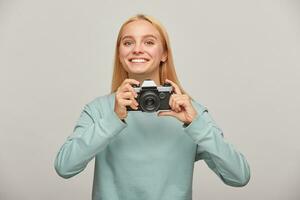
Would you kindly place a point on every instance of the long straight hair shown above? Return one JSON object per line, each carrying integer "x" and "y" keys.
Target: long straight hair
{"x": 166, "y": 68}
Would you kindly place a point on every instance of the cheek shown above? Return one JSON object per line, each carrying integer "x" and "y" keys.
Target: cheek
{"x": 123, "y": 52}
{"x": 157, "y": 52}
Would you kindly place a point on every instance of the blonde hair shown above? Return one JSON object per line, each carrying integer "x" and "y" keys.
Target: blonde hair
{"x": 167, "y": 68}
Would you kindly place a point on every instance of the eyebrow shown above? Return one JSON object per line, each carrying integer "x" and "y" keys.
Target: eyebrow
{"x": 144, "y": 36}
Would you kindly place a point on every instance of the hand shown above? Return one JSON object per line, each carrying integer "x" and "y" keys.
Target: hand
{"x": 181, "y": 106}
{"x": 125, "y": 96}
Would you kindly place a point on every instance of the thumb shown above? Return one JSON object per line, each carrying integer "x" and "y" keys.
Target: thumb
{"x": 166, "y": 113}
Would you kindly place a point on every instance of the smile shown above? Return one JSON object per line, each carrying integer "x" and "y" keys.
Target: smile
{"x": 138, "y": 60}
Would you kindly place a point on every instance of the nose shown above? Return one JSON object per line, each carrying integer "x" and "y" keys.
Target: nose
{"x": 138, "y": 49}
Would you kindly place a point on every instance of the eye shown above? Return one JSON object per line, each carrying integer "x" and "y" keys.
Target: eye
{"x": 149, "y": 42}
{"x": 127, "y": 43}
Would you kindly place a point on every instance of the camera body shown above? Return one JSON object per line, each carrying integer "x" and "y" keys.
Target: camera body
{"x": 152, "y": 98}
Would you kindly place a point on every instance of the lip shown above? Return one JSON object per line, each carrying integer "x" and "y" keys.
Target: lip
{"x": 146, "y": 59}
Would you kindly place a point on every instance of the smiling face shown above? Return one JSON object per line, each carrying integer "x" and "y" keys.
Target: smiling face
{"x": 141, "y": 50}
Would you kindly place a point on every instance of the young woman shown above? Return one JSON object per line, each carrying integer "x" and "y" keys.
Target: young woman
{"x": 147, "y": 155}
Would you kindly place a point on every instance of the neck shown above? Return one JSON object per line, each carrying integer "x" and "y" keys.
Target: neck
{"x": 142, "y": 77}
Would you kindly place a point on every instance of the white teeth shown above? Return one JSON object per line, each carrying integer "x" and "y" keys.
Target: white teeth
{"x": 138, "y": 60}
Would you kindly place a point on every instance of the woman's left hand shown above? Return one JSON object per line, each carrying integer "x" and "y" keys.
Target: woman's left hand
{"x": 181, "y": 106}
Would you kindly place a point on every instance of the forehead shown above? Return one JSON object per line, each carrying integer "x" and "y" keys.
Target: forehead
{"x": 139, "y": 28}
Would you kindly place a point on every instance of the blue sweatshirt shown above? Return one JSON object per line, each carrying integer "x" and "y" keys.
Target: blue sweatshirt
{"x": 147, "y": 157}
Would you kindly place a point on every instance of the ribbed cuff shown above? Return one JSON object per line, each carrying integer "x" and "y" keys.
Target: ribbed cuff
{"x": 112, "y": 124}
{"x": 196, "y": 127}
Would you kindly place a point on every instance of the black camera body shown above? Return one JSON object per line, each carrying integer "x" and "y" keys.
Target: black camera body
{"x": 152, "y": 98}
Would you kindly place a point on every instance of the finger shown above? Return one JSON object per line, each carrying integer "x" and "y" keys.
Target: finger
{"x": 181, "y": 100}
{"x": 129, "y": 95}
{"x": 125, "y": 102}
{"x": 179, "y": 104}
{"x": 168, "y": 113}
{"x": 126, "y": 95}
{"x": 131, "y": 81}
{"x": 174, "y": 102}
{"x": 175, "y": 86}
{"x": 128, "y": 87}
{"x": 177, "y": 107}
{"x": 171, "y": 101}
{"x": 125, "y": 87}
{"x": 133, "y": 103}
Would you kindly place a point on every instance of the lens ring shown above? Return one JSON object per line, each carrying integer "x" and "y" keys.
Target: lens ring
{"x": 149, "y": 101}
{"x": 162, "y": 95}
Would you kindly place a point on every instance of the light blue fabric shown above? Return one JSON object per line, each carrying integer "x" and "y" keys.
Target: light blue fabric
{"x": 147, "y": 157}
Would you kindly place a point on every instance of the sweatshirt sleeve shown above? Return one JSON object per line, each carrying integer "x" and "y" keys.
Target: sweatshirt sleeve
{"x": 91, "y": 135}
{"x": 220, "y": 156}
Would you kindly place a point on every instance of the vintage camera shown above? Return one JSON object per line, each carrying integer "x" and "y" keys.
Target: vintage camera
{"x": 152, "y": 98}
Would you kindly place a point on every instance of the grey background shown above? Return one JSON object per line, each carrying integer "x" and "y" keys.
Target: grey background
{"x": 239, "y": 58}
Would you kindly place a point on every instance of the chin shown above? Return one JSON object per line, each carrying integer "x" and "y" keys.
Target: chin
{"x": 139, "y": 72}
{"x": 139, "y": 69}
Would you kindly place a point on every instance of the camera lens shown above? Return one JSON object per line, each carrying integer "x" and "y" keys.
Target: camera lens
{"x": 149, "y": 101}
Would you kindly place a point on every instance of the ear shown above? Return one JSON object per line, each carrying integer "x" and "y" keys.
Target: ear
{"x": 164, "y": 57}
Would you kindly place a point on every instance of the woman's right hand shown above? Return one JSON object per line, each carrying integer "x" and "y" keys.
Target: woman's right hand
{"x": 125, "y": 96}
